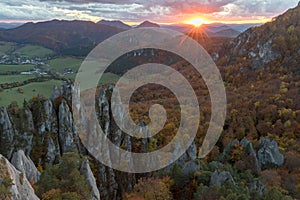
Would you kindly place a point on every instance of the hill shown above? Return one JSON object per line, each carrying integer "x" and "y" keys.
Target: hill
{"x": 147, "y": 24}
{"x": 211, "y": 30}
{"x": 114, "y": 23}
{"x": 231, "y": 33}
{"x": 5, "y": 25}
{"x": 65, "y": 37}
{"x": 276, "y": 43}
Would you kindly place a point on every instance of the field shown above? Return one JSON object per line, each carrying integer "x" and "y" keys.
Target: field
{"x": 44, "y": 88}
{"x": 32, "y": 51}
{"x": 30, "y": 90}
{"x": 6, "y": 47}
{"x": 15, "y": 68}
{"x": 14, "y": 78}
{"x": 59, "y": 64}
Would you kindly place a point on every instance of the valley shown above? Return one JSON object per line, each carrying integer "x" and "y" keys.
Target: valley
{"x": 27, "y": 71}
{"x": 256, "y": 157}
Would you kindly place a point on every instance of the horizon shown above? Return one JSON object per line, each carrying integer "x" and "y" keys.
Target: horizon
{"x": 133, "y": 12}
{"x": 140, "y": 22}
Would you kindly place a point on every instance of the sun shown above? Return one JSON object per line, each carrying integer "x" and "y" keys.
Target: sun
{"x": 197, "y": 22}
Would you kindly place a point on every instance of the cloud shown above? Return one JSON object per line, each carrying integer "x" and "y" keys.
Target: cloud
{"x": 138, "y": 10}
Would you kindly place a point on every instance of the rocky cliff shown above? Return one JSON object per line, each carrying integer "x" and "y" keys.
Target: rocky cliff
{"x": 275, "y": 43}
{"x": 43, "y": 130}
{"x": 17, "y": 185}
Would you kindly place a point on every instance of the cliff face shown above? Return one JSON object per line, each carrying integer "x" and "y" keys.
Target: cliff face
{"x": 26, "y": 166}
{"x": 44, "y": 129}
{"x": 19, "y": 188}
{"x": 7, "y": 134}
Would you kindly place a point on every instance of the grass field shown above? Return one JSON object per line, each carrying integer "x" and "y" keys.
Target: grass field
{"x": 45, "y": 88}
{"x": 59, "y": 64}
{"x": 14, "y": 78}
{"x": 32, "y": 51}
{"x": 15, "y": 68}
{"x": 6, "y": 47}
{"x": 30, "y": 90}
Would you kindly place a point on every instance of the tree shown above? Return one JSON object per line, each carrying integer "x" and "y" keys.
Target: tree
{"x": 151, "y": 189}
{"x": 64, "y": 181}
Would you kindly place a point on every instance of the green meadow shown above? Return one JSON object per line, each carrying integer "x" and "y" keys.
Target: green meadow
{"x": 29, "y": 91}
{"x": 15, "y": 78}
{"x": 15, "y": 68}
{"x": 59, "y": 64}
{"x": 32, "y": 51}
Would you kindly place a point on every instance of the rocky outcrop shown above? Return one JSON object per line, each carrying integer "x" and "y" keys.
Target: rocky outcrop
{"x": 7, "y": 133}
{"x": 49, "y": 123}
{"x": 25, "y": 165}
{"x": 219, "y": 178}
{"x": 260, "y": 52}
{"x": 24, "y": 129}
{"x": 268, "y": 153}
{"x": 20, "y": 188}
{"x": 88, "y": 174}
{"x": 257, "y": 186}
{"x": 266, "y": 156}
{"x": 46, "y": 130}
{"x": 266, "y": 45}
{"x": 249, "y": 150}
{"x": 53, "y": 150}
{"x": 67, "y": 133}
{"x": 65, "y": 91}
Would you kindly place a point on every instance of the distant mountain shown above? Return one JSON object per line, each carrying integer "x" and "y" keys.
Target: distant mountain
{"x": 148, "y": 24}
{"x": 231, "y": 33}
{"x": 276, "y": 43}
{"x": 210, "y": 30}
{"x": 114, "y": 23}
{"x": 9, "y": 25}
{"x": 78, "y": 38}
{"x": 215, "y": 27}
{"x": 184, "y": 28}
{"x": 65, "y": 37}
{"x": 242, "y": 27}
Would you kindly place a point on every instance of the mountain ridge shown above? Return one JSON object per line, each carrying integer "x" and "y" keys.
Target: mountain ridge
{"x": 147, "y": 24}
{"x": 61, "y": 36}
{"x": 114, "y": 23}
{"x": 276, "y": 43}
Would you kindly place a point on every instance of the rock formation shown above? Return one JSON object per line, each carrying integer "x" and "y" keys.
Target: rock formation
{"x": 219, "y": 178}
{"x": 268, "y": 153}
{"x": 87, "y": 172}
{"x": 20, "y": 188}
{"x": 25, "y": 165}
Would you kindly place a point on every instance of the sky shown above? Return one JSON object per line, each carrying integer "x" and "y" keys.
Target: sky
{"x": 135, "y": 11}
